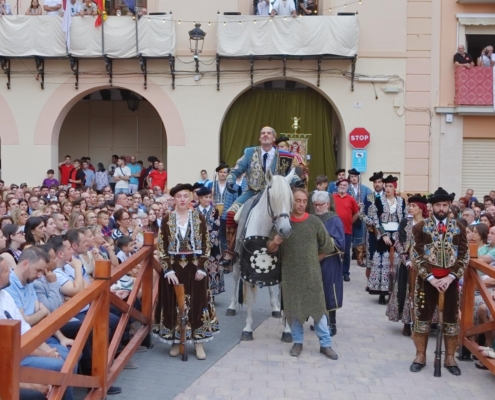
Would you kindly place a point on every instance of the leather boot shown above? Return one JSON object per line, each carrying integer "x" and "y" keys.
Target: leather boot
{"x": 360, "y": 255}
{"x": 450, "y": 347}
{"x": 228, "y": 255}
{"x": 421, "y": 342}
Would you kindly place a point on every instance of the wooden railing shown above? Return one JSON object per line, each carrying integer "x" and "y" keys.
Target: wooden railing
{"x": 105, "y": 367}
{"x": 473, "y": 282}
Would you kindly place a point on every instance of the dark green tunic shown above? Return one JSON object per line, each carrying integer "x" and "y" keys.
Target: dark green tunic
{"x": 302, "y": 285}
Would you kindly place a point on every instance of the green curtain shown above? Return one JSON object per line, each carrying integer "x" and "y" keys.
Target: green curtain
{"x": 276, "y": 108}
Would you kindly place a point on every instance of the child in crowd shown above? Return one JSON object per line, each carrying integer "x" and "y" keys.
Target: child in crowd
{"x": 103, "y": 220}
{"x": 50, "y": 180}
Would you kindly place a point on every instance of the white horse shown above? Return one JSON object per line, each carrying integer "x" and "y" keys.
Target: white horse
{"x": 272, "y": 211}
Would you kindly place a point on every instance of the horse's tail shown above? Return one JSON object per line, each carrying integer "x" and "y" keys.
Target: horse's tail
{"x": 240, "y": 292}
{"x": 243, "y": 288}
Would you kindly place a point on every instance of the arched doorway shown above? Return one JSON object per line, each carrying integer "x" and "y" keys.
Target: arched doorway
{"x": 276, "y": 103}
{"x": 113, "y": 121}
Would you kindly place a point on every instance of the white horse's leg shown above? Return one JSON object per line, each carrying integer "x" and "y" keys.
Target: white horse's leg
{"x": 274, "y": 303}
{"x": 236, "y": 274}
{"x": 247, "y": 332}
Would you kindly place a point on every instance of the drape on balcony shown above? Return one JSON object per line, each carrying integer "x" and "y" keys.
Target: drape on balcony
{"x": 120, "y": 37}
{"x": 276, "y": 108}
{"x": 239, "y": 35}
{"x": 474, "y": 86}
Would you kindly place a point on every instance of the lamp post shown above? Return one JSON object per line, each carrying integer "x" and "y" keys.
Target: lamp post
{"x": 132, "y": 102}
{"x": 196, "y": 41}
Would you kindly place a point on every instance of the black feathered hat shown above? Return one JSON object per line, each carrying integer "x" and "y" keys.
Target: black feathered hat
{"x": 354, "y": 171}
{"x": 179, "y": 187}
{"x": 281, "y": 139}
{"x": 376, "y": 176}
{"x": 197, "y": 185}
{"x": 441, "y": 195}
{"x": 339, "y": 171}
{"x": 390, "y": 179}
{"x": 204, "y": 191}
{"x": 417, "y": 198}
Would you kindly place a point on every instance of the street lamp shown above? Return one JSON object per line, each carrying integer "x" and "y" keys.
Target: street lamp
{"x": 132, "y": 102}
{"x": 196, "y": 41}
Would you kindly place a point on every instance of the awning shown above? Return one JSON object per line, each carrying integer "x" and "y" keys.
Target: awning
{"x": 476, "y": 19}
{"x": 240, "y": 36}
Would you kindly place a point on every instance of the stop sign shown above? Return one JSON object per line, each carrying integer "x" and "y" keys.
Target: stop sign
{"x": 359, "y": 138}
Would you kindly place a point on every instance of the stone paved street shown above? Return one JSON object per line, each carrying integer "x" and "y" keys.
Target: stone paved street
{"x": 373, "y": 363}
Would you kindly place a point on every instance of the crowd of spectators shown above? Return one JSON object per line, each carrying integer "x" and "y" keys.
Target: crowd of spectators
{"x": 465, "y": 60}
{"x": 286, "y": 7}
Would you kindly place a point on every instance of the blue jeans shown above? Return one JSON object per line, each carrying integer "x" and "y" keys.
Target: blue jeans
{"x": 321, "y": 330}
{"x": 121, "y": 190}
{"x": 346, "y": 267}
{"x": 51, "y": 364}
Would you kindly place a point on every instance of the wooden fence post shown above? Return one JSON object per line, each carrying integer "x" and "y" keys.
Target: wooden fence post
{"x": 10, "y": 358}
{"x": 101, "y": 326}
{"x": 147, "y": 287}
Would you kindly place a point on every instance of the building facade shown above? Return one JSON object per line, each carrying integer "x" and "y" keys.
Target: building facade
{"x": 403, "y": 88}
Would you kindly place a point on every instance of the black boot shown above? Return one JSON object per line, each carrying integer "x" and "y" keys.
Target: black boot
{"x": 381, "y": 299}
{"x": 332, "y": 322}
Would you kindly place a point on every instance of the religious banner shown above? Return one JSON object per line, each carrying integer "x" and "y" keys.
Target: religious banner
{"x": 298, "y": 145}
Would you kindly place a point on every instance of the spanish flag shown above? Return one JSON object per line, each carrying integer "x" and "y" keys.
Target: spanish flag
{"x": 101, "y": 8}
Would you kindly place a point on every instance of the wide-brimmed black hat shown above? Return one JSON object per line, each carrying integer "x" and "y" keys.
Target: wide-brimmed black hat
{"x": 376, "y": 176}
{"x": 204, "y": 191}
{"x": 339, "y": 171}
{"x": 281, "y": 139}
{"x": 441, "y": 195}
{"x": 417, "y": 198}
{"x": 179, "y": 187}
{"x": 342, "y": 180}
{"x": 390, "y": 179}
{"x": 354, "y": 171}
{"x": 221, "y": 166}
{"x": 197, "y": 185}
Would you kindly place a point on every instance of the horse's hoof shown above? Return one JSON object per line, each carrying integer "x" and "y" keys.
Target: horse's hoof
{"x": 276, "y": 314}
{"x": 287, "y": 337}
{"x": 230, "y": 312}
{"x": 246, "y": 336}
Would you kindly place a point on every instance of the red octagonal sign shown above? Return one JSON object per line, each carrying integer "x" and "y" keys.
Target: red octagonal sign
{"x": 359, "y": 138}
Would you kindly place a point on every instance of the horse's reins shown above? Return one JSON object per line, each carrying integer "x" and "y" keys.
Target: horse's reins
{"x": 269, "y": 207}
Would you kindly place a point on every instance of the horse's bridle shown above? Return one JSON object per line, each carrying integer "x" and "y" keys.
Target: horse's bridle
{"x": 269, "y": 207}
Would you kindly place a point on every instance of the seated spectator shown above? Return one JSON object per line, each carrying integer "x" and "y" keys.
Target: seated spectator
{"x": 488, "y": 220}
{"x": 463, "y": 59}
{"x": 469, "y": 216}
{"x": 454, "y": 212}
{"x": 34, "y": 231}
{"x": 284, "y": 8}
{"x": 90, "y": 218}
{"x": 107, "y": 251}
{"x": 3, "y": 208}
{"x": 19, "y": 217}
{"x": 50, "y": 228}
{"x": 34, "y": 204}
{"x": 149, "y": 222}
{"x": 49, "y": 181}
{"x": 5, "y": 8}
{"x": 123, "y": 220}
{"x": 88, "y": 8}
{"x": 76, "y": 220}
{"x": 264, "y": 8}
{"x": 61, "y": 223}
{"x": 4, "y": 221}
{"x": 103, "y": 220}
{"x": 35, "y": 9}
{"x": 61, "y": 196}
{"x": 307, "y": 7}
{"x": 47, "y": 356}
{"x": 487, "y": 201}
{"x": 486, "y": 58}
{"x": 53, "y": 8}
{"x": 14, "y": 239}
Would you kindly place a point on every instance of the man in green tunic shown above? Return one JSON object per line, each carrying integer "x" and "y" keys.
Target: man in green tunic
{"x": 302, "y": 285}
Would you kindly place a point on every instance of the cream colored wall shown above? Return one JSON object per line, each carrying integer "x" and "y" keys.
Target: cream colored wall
{"x": 194, "y": 111}
{"x": 101, "y": 128}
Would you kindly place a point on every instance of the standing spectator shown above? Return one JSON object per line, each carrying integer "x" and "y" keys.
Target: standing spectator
{"x": 35, "y": 8}
{"x": 486, "y": 58}
{"x": 135, "y": 174}
{"x": 90, "y": 175}
{"x": 284, "y": 8}
{"x": 88, "y": 8}
{"x": 143, "y": 179}
{"x": 463, "y": 59}
{"x": 264, "y": 8}
{"x": 53, "y": 7}
{"x": 65, "y": 167}
{"x": 306, "y": 7}
{"x": 469, "y": 196}
{"x": 75, "y": 8}
{"x": 340, "y": 174}
{"x": 76, "y": 175}
{"x": 101, "y": 178}
{"x": 50, "y": 180}
{"x": 348, "y": 211}
{"x": 302, "y": 289}
{"x": 121, "y": 177}
{"x": 5, "y": 8}
{"x": 204, "y": 179}
{"x": 111, "y": 170}
{"x": 158, "y": 178}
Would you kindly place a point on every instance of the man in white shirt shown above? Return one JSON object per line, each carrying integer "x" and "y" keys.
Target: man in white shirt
{"x": 264, "y": 7}
{"x": 74, "y": 8}
{"x": 53, "y": 7}
{"x": 88, "y": 8}
{"x": 122, "y": 176}
{"x": 284, "y": 8}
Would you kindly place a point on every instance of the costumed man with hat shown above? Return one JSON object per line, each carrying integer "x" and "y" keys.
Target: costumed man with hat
{"x": 219, "y": 193}
{"x": 254, "y": 163}
{"x": 364, "y": 215}
{"x": 340, "y": 174}
{"x": 183, "y": 251}
{"x": 440, "y": 256}
{"x": 360, "y": 193}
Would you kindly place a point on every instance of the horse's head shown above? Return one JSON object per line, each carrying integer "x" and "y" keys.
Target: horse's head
{"x": 279, "y": 202}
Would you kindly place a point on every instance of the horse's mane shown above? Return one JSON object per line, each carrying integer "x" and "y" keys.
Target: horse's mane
{"x": 280, "y": 193}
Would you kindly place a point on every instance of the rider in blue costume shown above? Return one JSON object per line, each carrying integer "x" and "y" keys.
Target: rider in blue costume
{"x": 254, "y": 163}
